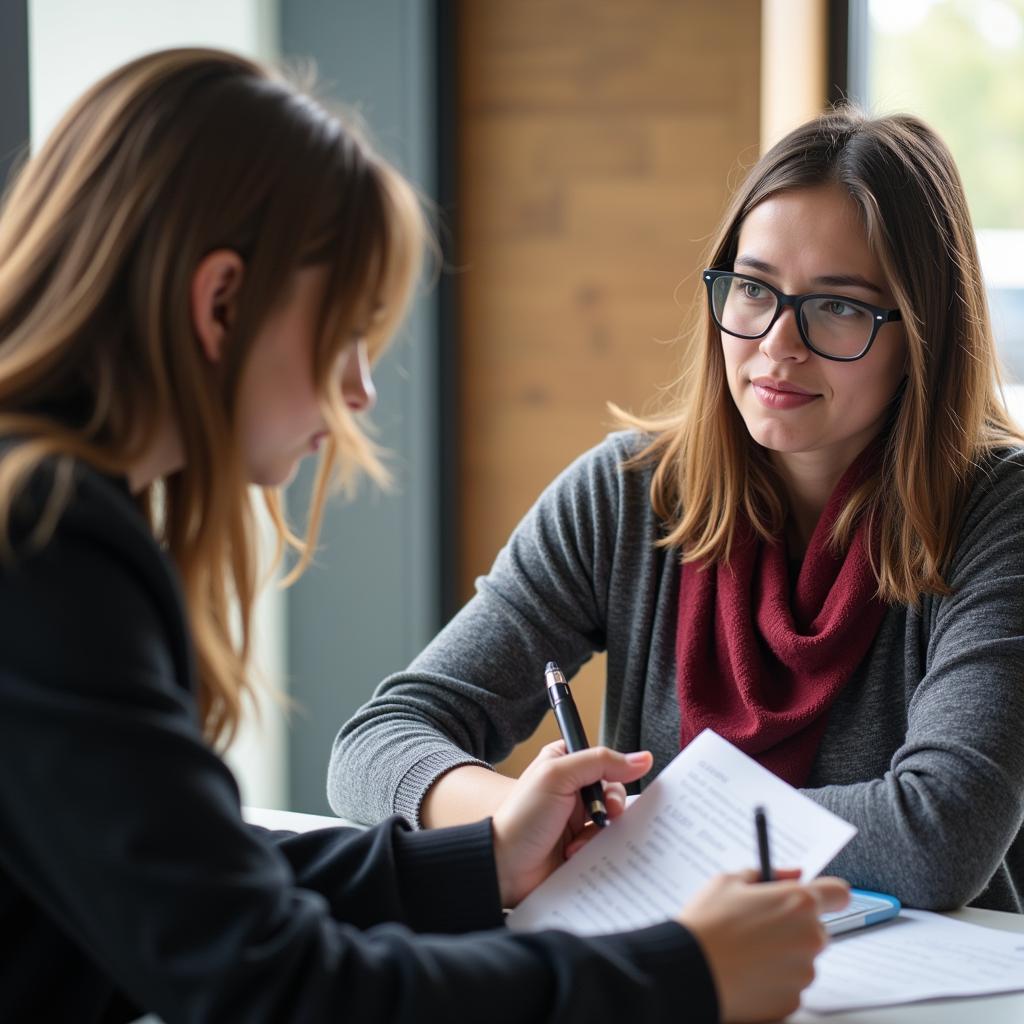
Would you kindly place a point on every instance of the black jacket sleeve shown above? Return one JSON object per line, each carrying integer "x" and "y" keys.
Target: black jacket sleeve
{"x": 121, "y": 826}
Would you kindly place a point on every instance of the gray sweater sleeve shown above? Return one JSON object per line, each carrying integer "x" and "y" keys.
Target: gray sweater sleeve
{"x": 478, "y": 688}
{"x": 936, "y": 826}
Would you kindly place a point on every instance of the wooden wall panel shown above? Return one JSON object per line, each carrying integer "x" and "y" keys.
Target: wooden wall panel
{"x": 598, "y": 141}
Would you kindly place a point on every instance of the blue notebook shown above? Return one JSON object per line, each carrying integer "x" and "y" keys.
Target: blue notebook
{"x": 865, "y": 908}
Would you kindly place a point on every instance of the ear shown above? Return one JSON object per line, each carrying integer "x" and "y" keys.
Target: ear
{"x": 214, "y": 297}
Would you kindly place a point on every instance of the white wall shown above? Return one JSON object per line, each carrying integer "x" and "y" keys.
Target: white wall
{"x": 71, "y": 44}
{"x": 74, "y": 42}
{"x": 259, "y": 757}
{"x": 1015, "y": 402}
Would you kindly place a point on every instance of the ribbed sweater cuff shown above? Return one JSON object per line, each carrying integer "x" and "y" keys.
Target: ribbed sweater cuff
{"x": 422, "y": 775}
{"x": 449, "y": 880}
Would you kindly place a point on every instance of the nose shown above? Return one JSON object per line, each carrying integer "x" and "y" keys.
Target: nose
{"x": 783, "y": 342}
{"x": 357, "y": 388}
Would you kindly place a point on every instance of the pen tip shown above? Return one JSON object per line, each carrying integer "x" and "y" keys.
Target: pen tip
{"x": 550, "y": 667}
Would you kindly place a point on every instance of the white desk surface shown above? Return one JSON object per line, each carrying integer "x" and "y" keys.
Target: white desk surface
{"x": 1002, "y": 1009}
{"x": 291, "y": 821}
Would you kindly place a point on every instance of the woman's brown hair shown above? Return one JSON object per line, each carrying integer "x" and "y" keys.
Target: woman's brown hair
{"x": 170, "y": 157}
{"x": 948, "y": 414}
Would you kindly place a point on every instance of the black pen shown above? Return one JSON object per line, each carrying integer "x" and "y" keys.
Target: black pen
{"x": 763, "y": 853}
{"x": 571, "y": 727}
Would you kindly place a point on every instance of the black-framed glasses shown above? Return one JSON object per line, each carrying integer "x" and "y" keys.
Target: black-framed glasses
{"x": 833, "y": 326}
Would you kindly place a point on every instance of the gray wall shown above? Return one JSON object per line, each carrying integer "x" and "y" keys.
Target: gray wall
{"x": 373, "y": 600}
{"x": 14, "y": 112}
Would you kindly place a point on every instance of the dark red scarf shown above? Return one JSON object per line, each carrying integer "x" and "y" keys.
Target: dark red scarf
{"x": 760, "y": 662}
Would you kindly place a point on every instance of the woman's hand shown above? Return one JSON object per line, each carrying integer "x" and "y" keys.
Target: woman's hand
{"x": 541, "y": 821}
{"x": 760, "y": 940}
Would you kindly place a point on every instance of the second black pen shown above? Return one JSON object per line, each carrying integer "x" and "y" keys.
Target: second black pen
{"x": 571, "y": 727}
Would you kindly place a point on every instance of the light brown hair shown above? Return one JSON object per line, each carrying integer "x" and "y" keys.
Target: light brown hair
{"x": 949, "y": 413}
{"x": 166, "y": 159}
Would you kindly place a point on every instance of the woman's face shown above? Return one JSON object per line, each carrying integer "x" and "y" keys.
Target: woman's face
{"x": 279, "y": 417}
{"x": 793, "y": 401}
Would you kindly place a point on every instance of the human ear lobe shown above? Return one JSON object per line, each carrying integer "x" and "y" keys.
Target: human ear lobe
{"x": 213, "y": 298}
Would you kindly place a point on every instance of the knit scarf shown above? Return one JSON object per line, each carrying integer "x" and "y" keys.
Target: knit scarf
{"x": 761, "y": 662}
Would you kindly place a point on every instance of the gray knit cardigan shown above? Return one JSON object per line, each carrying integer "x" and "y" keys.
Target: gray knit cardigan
{"x": 924, "y": 748}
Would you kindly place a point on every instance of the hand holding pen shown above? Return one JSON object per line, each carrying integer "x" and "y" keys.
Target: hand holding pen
{"x": 540, "y": 823}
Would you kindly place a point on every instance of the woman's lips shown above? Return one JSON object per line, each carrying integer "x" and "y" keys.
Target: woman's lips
{"x": 781, "y": 394}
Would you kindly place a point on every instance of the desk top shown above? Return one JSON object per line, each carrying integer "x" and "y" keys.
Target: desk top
{"x": 1001, "y": 1009}
{"x": 291, "y": 821}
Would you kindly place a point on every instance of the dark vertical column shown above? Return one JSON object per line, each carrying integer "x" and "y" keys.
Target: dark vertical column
{"x": 14, "y": 115}
{"x": 448, "y": 391}
{"x": 838, "y": 50}
{"x": 373, "y": 598}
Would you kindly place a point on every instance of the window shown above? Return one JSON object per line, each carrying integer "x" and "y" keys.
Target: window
{"x": 959, "y": 65}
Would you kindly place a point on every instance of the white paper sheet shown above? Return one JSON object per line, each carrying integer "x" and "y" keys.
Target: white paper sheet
{"x": 915, "y": 956}
{"x": 694, "y": 821}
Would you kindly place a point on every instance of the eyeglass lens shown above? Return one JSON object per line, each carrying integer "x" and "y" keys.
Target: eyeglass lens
{"x": 833, "y": 325}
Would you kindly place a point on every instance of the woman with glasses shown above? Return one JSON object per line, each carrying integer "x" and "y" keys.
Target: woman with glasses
{"x": 815, "y": 551}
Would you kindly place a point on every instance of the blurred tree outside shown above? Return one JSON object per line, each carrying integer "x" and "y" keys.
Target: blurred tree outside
{"x": 959, "y": 65}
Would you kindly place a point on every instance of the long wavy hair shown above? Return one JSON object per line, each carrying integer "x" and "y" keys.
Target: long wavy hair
{"x": 949, "y": 414}
{"x": 168, "y": 158}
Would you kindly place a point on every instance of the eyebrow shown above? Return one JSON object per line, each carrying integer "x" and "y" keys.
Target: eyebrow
{"x": 834, "y": 280}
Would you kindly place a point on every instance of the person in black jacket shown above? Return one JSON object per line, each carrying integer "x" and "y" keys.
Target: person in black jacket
{"x": 196, "y": 272}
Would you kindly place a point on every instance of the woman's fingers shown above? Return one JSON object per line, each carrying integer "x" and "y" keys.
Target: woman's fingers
{"x": 570, "y": 772}
{"x": 778, "y": 875}
{"x": 614, "y": 798}
{"x": 831, "y": 893}
{"x": 588, "y": 832}
{"x": 782, "y": 874}
{"x": 556, "y": 748}
{"x": 827, "y": 893}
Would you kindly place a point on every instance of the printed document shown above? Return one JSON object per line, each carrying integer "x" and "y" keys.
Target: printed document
{"x": 915, "y": 956}
{"x": 694, "y": 821}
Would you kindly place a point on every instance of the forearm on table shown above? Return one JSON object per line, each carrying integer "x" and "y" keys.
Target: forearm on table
{"x": 920, "y": 841}
{"x": 463, "y": 795}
